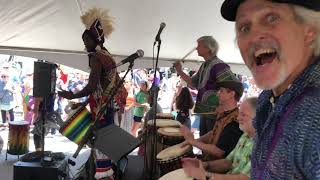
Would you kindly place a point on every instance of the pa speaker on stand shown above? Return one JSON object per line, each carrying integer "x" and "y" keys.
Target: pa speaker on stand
{"x": 44, "y": 79}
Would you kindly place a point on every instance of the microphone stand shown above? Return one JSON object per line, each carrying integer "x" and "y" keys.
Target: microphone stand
{"x": 90, "y": 135}
{"x": 43, "y": 115}
{"x": 154, "y": 170}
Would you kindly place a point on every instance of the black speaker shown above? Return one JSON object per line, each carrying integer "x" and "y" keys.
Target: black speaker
{"x": 35, "y": 171}
{"x": 115, "y": 142}
{"x": 44, "y": 79}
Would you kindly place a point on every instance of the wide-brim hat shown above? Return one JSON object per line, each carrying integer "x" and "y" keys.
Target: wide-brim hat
{"x": 234, "y": 85}
{"x": 229, "y": 7}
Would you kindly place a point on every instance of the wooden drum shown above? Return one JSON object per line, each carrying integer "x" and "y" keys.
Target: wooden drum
{"x": 77, "y": 124}
{"x": 169, "y": 136}
{"x": 170, "y": 159}
{"x": 176, "y": 175}
{"x": 18, "y": 140}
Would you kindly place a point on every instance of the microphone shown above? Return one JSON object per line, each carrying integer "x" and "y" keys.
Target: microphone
{"x": 162, "y": 26}
{"x": 131, "y": 58}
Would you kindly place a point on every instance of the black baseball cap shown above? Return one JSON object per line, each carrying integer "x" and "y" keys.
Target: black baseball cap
{"x": 229, "y": 7}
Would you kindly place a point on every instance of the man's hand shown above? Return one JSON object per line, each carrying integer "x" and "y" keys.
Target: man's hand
{"x": 76, "y": 105}
{"x": 193, "y": 168}
{"x": 187, "y": 134}
{"x": 178, "y": 66}
{"x": 66, "y": 94}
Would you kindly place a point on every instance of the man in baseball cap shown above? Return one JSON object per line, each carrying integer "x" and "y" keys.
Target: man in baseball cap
{"x": 279, "y": 41}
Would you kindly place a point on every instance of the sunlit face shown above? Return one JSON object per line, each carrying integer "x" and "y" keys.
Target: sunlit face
{"x": 245, "y": 117}
{"x": 273, "y": 45}
{"x": 202, "y": 50}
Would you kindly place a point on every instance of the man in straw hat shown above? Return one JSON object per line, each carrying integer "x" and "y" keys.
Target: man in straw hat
{"x": 279, "y": 41}
{"x": 102, "y": 79}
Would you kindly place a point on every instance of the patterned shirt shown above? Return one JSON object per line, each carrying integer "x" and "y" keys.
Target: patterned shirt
{"x": 287, "y": 145}
{"x": 240, "y": 156}
{"x": 225, "y": 133}
{"x": 211, "y": 71}
{"x": 105, "y": 85}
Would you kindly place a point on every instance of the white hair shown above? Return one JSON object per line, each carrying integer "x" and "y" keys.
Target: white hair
{"x": 210, "y": 43}
{"x": 307, "y": 16}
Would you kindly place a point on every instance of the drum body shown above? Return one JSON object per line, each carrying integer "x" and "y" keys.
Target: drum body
{"x": 18, "y": 140}
{"x": 170, "y": 159}
{"x": 151, "y": 132}
{"x": 169, "y": 136}
{"x": 77, "y": 124}
{"x": 176, "y": 174}
{"x": 162, "y": 124}
{"x": 164, "y": 116}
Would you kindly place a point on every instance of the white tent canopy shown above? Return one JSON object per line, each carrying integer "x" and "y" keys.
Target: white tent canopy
{"x": 51, "y": 30}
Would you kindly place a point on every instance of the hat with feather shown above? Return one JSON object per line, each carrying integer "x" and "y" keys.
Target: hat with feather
{"x": 98, "y": 24}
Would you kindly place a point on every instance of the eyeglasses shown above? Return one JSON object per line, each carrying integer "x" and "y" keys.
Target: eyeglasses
{"x": 3, "y": 76}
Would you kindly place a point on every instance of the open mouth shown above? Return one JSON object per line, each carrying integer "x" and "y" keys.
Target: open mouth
{"x": 264, "y": 56}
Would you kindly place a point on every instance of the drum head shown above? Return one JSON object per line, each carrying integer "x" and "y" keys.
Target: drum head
{"x": 164, "y": 116}
{"x": 173, "y": 152}
{"x": 176, "y": 175}
{"x": 18, "y": 123}
{"x": 170, "y": 131}
{"x": 165, "y": 123}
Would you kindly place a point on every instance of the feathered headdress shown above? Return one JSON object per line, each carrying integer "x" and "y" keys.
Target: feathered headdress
{"x": 98, "y": 23}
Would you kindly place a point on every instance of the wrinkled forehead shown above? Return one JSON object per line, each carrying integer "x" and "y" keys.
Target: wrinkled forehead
{"x": 249, "y": 7}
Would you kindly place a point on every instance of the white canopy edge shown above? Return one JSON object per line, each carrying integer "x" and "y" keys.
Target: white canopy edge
{"x": 79, "y": 59}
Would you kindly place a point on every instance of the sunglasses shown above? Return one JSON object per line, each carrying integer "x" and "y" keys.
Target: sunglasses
{"x": 4, "y": 76}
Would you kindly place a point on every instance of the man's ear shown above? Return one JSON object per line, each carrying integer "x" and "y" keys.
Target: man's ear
{"x": 310, "y": 34}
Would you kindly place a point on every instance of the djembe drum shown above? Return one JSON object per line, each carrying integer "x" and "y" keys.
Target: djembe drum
{"x": 176, "y": 175}
{"x": 164, "y": 116}
{"x": 160, "y": 123}
{"x": 170, "y": 159}
{"x": 151, "y": 132}
{"x": 169, "y": 136}
{"x": 18, "y": 140}
{"x": 77, "y": 124}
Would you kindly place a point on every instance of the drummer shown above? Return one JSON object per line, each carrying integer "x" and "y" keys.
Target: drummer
{"x": 237, "y": 164}
{"x": 213, "y": 70}
{"x": 220, "y": 141}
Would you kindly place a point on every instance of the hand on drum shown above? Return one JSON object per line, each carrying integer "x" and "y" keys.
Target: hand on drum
{"x": 193, "y": 168}
{"x": 76, "y": 105}
{"x": 187, "y": 134}
{"x": 66, "y": 94}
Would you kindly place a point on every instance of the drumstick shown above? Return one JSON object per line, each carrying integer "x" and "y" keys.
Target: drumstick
{"x": 185, "y": 56}
{"x": 190, "y": 52}
{"x": 205, "y": 113}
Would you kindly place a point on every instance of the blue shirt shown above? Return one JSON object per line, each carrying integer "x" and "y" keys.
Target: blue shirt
{"x": 287, "y": 145}
{"x": 6, "y": 95}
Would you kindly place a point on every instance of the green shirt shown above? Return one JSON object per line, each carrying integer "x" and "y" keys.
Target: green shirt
{"x": 240, "y": 156}
{"x": 141, "y": 97}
